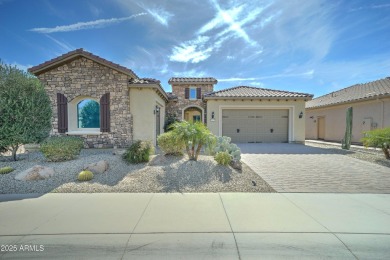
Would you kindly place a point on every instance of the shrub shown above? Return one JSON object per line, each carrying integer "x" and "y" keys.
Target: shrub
{"x": 169, "y": 120}
{"x": 223, "y": 145}
{"x": 139, "y": 152}
{"x": 194, "y": 135}
{"x": 61, "y": 148}
{"x": 6, "y": 170}
{"x": 170, "y": 144}
{"x": 25, "y": 109}
{"x": 85, "y": 176}
{"x": 223, "y": 158}
{"x": 378, "y": 138}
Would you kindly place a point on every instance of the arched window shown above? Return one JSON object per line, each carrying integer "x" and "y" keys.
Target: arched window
{"x": 88, "y": 114}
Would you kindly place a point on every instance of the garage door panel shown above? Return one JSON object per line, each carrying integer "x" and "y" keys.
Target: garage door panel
{"x": 255, "y": 125}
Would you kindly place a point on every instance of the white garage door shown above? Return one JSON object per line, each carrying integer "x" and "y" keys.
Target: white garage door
{"x": 255, "y": 125}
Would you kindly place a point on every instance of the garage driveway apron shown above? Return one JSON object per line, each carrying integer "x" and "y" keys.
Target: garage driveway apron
{"x": 300, "y": 168}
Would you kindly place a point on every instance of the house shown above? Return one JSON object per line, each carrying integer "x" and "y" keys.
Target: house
{"x": 326, "y": 115}
{"x": 109, "y": 105}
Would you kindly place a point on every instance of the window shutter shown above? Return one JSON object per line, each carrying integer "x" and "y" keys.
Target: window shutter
{"x": 62, "y": 109}
{"x": 198, "y": 93}
{"x": 187, "y": 93}
{"x": 105, "y": 113}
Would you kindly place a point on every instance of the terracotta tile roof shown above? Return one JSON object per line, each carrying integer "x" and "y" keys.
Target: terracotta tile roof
{"x": 144, "y": 81}
{"x": 192, "y": 80}
{"x": 370, "y": 90}
{"x": 36, "y": 70}
{"x": 252, "y": 92}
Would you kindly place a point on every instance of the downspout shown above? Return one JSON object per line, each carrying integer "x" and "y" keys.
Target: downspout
{"x": 383, "y": 113}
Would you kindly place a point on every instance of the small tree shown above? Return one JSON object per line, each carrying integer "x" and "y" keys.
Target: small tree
{"x": 25, "y": 111}
{"x": 194, "y": 135}
{"x": 378, "y": 138}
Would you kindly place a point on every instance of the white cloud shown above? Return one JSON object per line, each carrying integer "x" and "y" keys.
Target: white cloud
{"x": 192, "y": 51}
{"x": 160, "y": 15}
{"x": 63, "y": 45}
{"x": 190, "y": 73}
{"x": 86, "y": 25}
{"x": 21, "y": 66}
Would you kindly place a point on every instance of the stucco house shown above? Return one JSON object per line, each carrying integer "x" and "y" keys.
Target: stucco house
{"x": 326, "y": 115}
{"x": 109, "y": 105}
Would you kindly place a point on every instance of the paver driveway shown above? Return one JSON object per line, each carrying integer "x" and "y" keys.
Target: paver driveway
{"x": 300, "y": 168}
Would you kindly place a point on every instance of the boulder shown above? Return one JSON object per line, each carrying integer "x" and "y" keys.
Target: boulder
{"x": 98, "y": 167}
{"x": 236, "y": 165}
{"x": 36, "y": 172}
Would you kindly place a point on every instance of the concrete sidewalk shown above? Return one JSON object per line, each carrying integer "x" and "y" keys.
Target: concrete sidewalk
{"x": 195, "y": 226}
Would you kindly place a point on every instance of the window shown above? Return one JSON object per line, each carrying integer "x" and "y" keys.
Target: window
{"x": 193, "y": 93}
{"x": 196, "y": 118}
{"x": 88, "y": 114}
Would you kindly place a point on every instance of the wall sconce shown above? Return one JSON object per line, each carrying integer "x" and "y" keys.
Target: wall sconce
{"x": 212, "y": 116}
{"x": 312, "y": 117}
{"x": 156, "y": 110}
{"x": 301, "y": 114}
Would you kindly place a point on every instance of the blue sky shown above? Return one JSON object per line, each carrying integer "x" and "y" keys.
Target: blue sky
{"x": 311, "y": 46}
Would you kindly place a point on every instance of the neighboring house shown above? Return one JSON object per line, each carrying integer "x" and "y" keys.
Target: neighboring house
{"x": 326, "y": 115}
{"x": 109, "y": 105}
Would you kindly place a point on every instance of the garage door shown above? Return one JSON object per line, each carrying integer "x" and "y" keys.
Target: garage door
{"x": 255, "y": 125}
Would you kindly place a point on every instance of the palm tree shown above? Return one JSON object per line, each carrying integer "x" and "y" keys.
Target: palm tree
{"x": 195, "y": 135}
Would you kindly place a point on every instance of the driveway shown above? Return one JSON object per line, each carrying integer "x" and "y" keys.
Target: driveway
{"x": 300, "y": 168}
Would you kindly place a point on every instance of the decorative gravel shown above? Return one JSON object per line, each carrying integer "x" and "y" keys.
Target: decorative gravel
{"x": 161, "y": 174}
{"x": 369, "y": 155}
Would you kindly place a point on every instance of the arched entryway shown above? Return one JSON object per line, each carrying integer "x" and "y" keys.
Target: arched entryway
{"x": 193, "y": 113}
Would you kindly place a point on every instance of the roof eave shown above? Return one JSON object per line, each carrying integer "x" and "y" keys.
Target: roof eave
{"x": 37, "y": 70}
{"x": 352, "y": 101}
{"x": 249, "y": 98}
{"x": 155, "y": 86}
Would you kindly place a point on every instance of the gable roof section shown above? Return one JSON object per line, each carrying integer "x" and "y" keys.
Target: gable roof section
{"x": 192, "y": 80}
{"x": 53, "y": 63}
{"x": 252, "y": 92}
{"x": 358, "y": 92}
{"x": 149, "y": 83}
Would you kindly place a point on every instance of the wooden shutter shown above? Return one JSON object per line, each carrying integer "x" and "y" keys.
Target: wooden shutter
{"x": 62, "y": 109}
{"x": 187, "y": 93}
{"x": 198, "y": 93}
{"x": 105, "y": 113}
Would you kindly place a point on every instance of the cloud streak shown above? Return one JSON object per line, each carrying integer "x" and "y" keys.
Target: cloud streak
{"x": 101, "y": 23}
{"x": 281, "y": 75}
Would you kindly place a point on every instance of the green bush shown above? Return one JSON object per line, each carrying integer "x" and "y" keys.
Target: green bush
{"x": 139, "y": 152}
{"x": 6, "y": 170}
{"x": 61, "y": 148}
{"x": 169, "y": 144}
{"x": 85, "y": 176}
{"x": 223, "y": 158}
{"x": 378, "y": 138}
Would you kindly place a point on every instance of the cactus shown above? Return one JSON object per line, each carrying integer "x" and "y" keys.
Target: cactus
{"x": 223, "y": 158}
{"x": 85, "y": 176}
{"x": 224, "y": 145}
{"x": 6, "y": 170}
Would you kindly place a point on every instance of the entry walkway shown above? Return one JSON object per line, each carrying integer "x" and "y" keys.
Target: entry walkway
{"x": 195, "y": 226}
{"x": 300, "y": 168}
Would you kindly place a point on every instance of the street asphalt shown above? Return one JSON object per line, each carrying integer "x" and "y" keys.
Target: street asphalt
{"x": 195, "y": 226}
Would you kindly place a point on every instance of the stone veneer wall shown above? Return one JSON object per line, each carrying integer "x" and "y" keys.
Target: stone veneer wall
{"x": 84, "y": 77}
{"x": 175, "y": 107}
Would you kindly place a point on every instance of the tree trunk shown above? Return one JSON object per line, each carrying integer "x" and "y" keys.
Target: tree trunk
{"x": 385, "y": 150}
{"x": 198, "y": 151}
{"x": 188, "y": 151}
{"x": 14, "y": 150}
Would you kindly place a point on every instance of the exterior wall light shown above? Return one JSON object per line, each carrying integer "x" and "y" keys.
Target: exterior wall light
{"x": 212, "y": 116}
{"x": 301, "y": 114}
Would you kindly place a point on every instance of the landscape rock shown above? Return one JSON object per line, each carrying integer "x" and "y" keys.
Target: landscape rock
{"x": 36, "y": 172}
{"x": 236, "y": 165}
{"x": 98, "y": 167}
